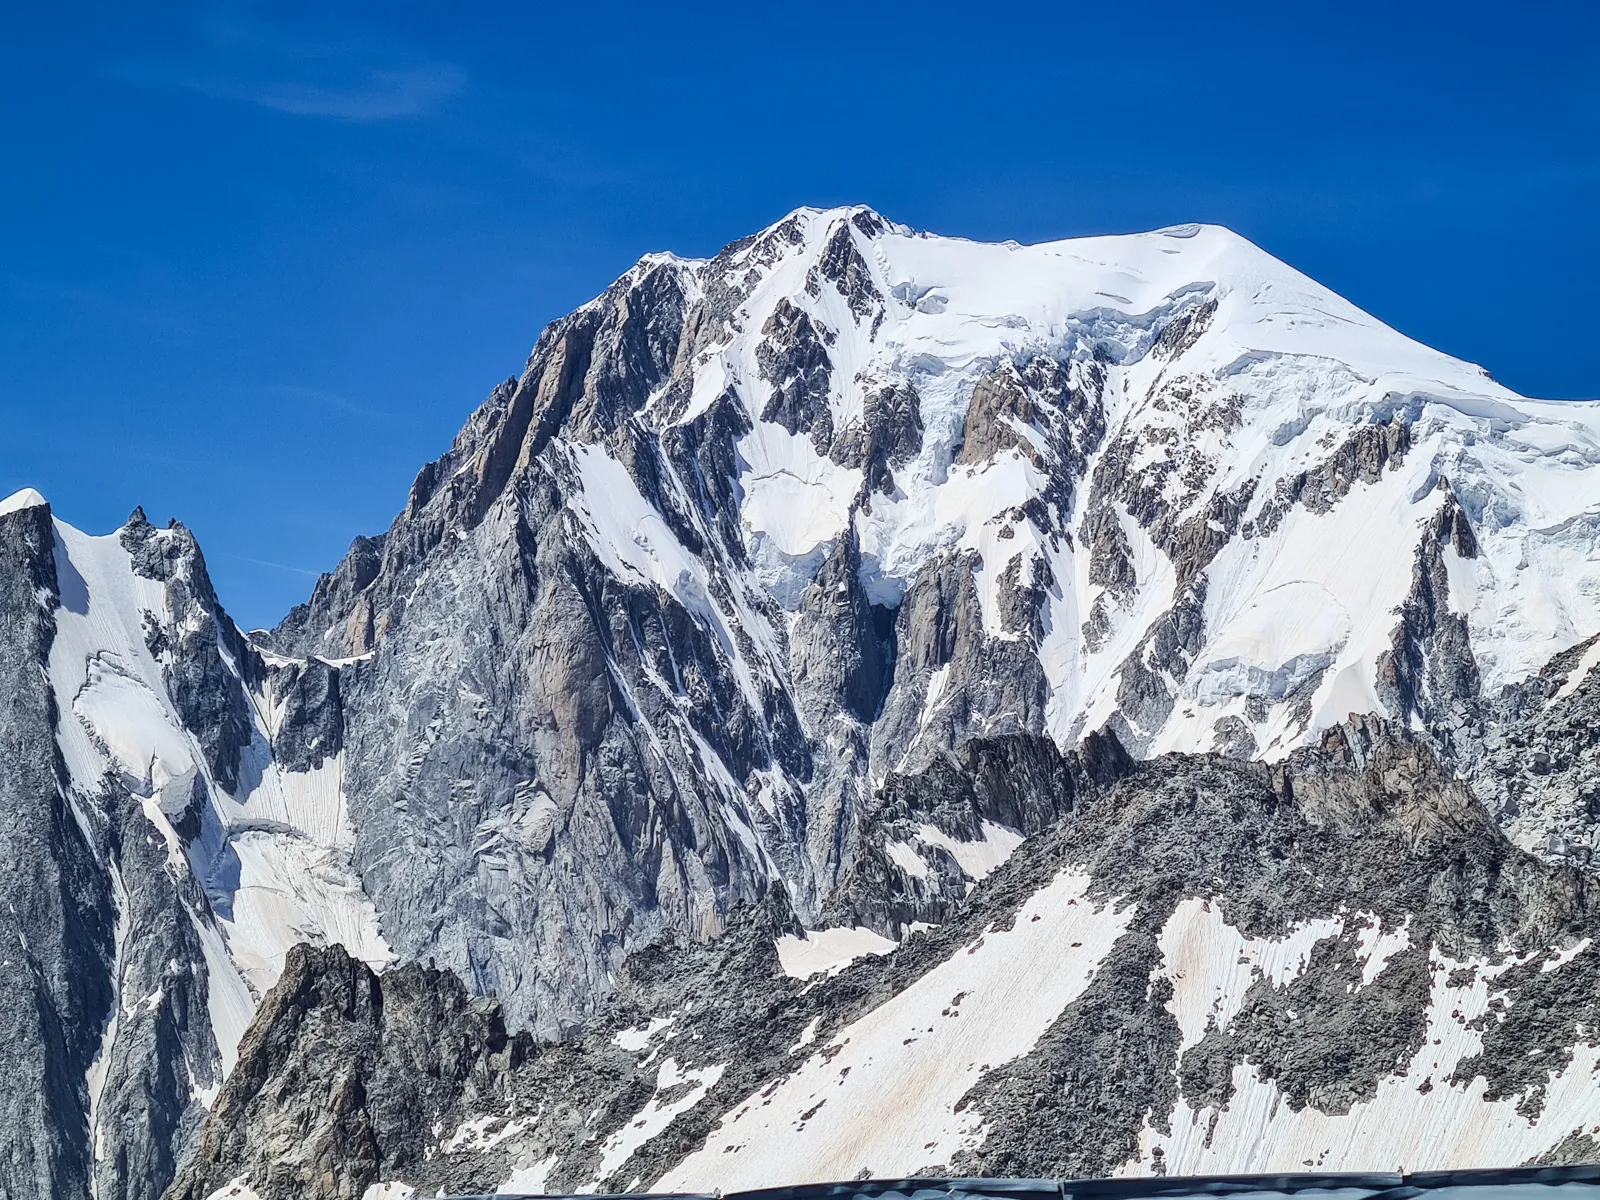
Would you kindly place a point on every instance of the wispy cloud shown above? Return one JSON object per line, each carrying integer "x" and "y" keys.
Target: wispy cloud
{"x": 343, "y": 73}
{"x": 330, "y": 400}
{"x": 261, "y": 562}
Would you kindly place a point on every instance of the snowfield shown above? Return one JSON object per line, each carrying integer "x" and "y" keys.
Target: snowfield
{"x": 881, "y": 1095}
{"x": 1420, "y": 1119}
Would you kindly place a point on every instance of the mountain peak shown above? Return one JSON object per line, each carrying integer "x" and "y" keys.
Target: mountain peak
{"x": 19, "y": 500}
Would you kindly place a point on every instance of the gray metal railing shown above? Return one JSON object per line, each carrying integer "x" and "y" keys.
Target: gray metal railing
{"x": 1509, "y": 1183}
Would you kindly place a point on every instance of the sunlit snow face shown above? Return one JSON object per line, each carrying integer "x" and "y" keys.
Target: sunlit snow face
{"x": 1271, "y": 377}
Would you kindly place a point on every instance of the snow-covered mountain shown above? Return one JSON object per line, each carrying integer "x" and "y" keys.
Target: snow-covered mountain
{"x": 755, "y": 552}
{"x": 176, "y": 826}
{"x": 749, "y": 534}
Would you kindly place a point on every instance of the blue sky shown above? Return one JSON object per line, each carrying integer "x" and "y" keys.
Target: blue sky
{"x": 261, "y": 261}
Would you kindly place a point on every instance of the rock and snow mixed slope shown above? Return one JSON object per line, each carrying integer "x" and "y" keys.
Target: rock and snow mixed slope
{"x": 1336, "y": 963}
{"x": 753, "y": 543}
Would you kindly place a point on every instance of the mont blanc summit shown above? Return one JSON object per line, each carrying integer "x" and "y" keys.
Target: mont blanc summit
{"x": 846, "y": 702}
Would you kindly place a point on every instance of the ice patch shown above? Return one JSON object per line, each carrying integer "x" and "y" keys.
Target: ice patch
{"x": 978, "y": 859}
{"x": 629, "y": 535}
{"x": 1377, "y": 946}
{"x": 290, "y": 889}
{"x": 1561, "y": 958}
{"x": 1579, "y": 672}
{"x": 795, "y": 497}
{"x": 1223, "y": 678}
{"x": 1211, "y": 965}
{"x": 656, "y": 1116}
{"x": 484, "y": 1133}
{"x": 785, "y": 576}
{"x": 530, "y": 1180}
{"x": 830, "y": 950}
{"x": 807, "y": 1035}
{"x": 636, "y": 1039}
{"x": 139, "y": 730}
{"x": 238, "y": 1188}
{"x": 904, "y": 855}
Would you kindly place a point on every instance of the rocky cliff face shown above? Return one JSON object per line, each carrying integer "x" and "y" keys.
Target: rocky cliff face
{"x": 839, "y": 563}
{"x": 57, "y": 920}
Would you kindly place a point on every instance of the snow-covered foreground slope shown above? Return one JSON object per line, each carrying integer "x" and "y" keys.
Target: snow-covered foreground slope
{"x": 882, "y": 1092}
{"x": 1338, "y": 964}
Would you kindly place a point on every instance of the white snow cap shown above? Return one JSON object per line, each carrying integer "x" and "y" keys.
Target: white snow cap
{"x": 17, "y": 501}
{"x": 1272, "y": 374}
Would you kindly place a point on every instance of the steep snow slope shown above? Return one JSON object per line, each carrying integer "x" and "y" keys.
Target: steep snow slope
{"x": 1261, "y": 374}
{"x": 270, "y": 845}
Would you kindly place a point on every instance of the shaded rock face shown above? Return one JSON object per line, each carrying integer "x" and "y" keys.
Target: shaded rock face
{"x": 888, "y": 435}
{"x": 1145, "y": 696}
{"x": 952, "y": 679}
{"x": 311, "y": 729}
{"x": 1530, "y": 753}
{"x": 146, "y": 1113}
{"x": 794, "y": 360}
{"x": 1018, "y": 782}
{"x": 526, "y": 809}
{"x": 1366, "y": 823}
{"x": 423, "y": 1082}
{"x": 1431, "y": 670}
{"x": 57, "y": 917}
{"x": 382, "y": 1061}
{"x": 203, "y": 688}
